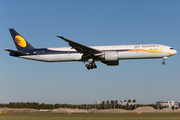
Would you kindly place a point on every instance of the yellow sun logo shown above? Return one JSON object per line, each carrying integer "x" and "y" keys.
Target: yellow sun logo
{"x": 20, "y": 41}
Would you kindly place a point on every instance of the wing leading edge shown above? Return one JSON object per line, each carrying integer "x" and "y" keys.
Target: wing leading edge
{"x": 87, "y": 51}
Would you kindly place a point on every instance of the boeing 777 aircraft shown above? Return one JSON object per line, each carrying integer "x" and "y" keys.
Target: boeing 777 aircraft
{"x": 109, "y": 55}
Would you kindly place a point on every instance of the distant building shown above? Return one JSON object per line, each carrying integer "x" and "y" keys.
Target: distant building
{"x": 44, "y": 110}
{"x": 131, "y": 103}
{"x": 122, "y": 103}
{"x": 127, "y": 103}
{"x": 168, "y": 104}
{"x": 98, "y": 102}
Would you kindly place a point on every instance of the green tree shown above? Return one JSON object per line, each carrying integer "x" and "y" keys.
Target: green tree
{"x": 42, "y": 106}
{"x": 116, "y": 103}
{"x": 107, "y": 104}
{"x": 112, "y": 103}
{"x": 103, "y": 105}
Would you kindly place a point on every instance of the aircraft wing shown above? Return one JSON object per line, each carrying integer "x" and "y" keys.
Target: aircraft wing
{"x": 82, "y": 48}
{"x": 16, "y": 52}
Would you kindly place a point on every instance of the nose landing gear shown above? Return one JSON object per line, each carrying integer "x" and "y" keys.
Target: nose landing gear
{"x": 164, "y": 58}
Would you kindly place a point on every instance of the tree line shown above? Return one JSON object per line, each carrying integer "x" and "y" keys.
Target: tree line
{"x": 103, "y": 105}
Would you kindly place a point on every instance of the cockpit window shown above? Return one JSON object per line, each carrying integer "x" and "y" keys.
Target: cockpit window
{"x": 171, "y": 48}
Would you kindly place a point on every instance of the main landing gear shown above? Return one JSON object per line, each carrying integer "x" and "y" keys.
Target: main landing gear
{"x": 91, "y": 64}
{"x": 164, "y": 58}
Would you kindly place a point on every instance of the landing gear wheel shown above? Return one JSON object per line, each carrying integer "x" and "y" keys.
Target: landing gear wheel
{"x": 87, "y": 66}
{"x": 94, "y": 65}
{"x": 163, "y": 63}
{"x": 91, "y": 64}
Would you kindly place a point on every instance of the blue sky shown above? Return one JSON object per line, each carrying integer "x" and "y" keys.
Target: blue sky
{"x": 89, "y": 22}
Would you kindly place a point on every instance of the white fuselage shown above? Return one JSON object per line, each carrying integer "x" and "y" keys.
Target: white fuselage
{"x": 146, "y": 51}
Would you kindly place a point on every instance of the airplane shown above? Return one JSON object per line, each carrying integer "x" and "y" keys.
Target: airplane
{"x": 109, "y": 55}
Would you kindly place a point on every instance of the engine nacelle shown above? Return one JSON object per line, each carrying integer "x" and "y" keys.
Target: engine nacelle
{"x": 111, "y": 58}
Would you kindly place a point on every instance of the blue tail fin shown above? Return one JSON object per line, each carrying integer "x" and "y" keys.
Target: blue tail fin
{"x": 21, "y": 43}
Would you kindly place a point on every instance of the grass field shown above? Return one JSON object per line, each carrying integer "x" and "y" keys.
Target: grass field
{"x": 90, "y": 116}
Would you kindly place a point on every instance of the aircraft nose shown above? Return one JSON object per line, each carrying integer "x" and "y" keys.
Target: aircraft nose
{"x": 175, "y": 51}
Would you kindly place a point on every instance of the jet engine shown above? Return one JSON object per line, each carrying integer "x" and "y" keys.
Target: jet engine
{"x": 111, "y": 58}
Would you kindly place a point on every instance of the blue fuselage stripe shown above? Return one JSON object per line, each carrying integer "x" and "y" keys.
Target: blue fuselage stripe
{"x": 45, "y": 51}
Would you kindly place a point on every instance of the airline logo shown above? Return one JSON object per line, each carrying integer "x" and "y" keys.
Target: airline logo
{"x": 20, "y": 41}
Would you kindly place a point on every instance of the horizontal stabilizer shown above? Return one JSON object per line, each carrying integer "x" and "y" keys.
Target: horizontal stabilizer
{"x": 16, "y": 52}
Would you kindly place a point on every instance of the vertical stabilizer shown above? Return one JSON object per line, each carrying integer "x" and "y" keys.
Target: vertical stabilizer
{"x": 21, "y": 43}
